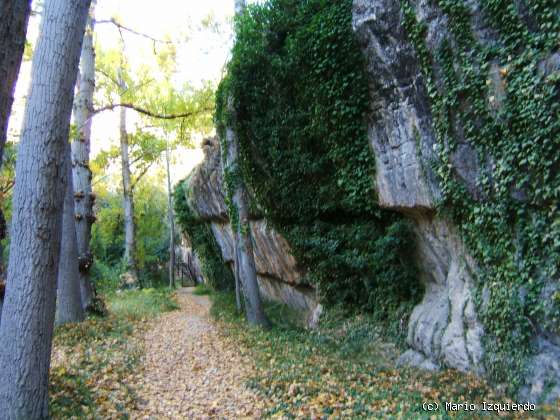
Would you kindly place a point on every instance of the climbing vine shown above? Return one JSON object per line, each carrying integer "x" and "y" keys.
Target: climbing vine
{"x": 501, "y": 97}
{"x": 218, "y": 275}
{"x": 300, "y": 98}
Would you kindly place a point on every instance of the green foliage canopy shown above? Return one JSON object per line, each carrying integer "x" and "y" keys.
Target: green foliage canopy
{"x": 152, "y": 234}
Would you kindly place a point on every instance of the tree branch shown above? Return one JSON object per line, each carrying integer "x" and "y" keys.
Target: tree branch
{"x": 141, "y": 174}
{"x": 108, "y": 76}
{"x": 132, "y": 31}
{"x": 150, "y": 113}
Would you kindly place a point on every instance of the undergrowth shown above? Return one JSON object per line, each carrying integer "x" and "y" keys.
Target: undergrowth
{"x": 343, "y": 370}
{"x": 92, "y": 359}
{"x": 202, "y": 290}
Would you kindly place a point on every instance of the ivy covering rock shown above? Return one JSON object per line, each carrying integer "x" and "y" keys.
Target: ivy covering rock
{"x": 493, "y": 85}
{"x": 216, "y": 273}
{"x": 297, "y": 79}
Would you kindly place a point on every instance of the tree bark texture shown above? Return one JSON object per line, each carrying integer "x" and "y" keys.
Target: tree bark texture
{"x": 81, "y": 173}
{"x": 3, "y": 232}
{"x": 69, "y": 301}
{"x": 29, "y": 307}
{"x": 14, "y": 15}
{"x": 128, "y": 203}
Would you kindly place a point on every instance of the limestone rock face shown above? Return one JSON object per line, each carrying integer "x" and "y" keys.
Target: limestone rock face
{"x": 400, "y": 128}
{"x": 443, "y": 329}
{"x": 280, "y": 278}
{"x": 206, "y": 196}
{"x": 272, "y": 253}
{"x": 444, "y": 325}
{"x": 188, "y": 262}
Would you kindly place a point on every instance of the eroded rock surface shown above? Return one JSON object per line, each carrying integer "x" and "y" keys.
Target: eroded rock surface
{"x": 444, "y": 328}
{"x": 188, "y": 262}
{"x": 280, "y": 278}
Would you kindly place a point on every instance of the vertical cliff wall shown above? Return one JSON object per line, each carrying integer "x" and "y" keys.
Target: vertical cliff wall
{"x": 406, "y": 153}
{"x": 463, "y": 116}
{"x": 280, "y": 278}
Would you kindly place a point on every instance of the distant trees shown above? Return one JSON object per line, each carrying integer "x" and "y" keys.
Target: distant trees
{"x": 128, "y": 202}
{"x": 29, "y": 308}
{"x": 7, "y": 175}
{"x": 165, "y": 109}
{"x": 239, "y": 6}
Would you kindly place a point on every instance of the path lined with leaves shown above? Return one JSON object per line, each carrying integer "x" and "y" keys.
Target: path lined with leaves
{"x": 189, "y": 370}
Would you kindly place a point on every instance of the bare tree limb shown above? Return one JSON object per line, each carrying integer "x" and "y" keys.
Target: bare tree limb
{"x": 141, "y": 174}
{"x": 108, "y": 76}
{"x": 132, "y": 31}
{"x": 150, "y": 113}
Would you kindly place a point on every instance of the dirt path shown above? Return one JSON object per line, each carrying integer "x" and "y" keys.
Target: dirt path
{"x": 189, "y": 371}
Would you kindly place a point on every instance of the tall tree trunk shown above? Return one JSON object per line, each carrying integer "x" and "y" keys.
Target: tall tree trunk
{"x": 3, "y": 231}
{"x": 246, "y": 274}
{"x": 128, "y": 203}
{"x": 84, "y": 198}
{"x": 171, "y": 220}
{"x": 14, "y": 15}
{"x": 69, "y": 302}
{"x": 3, "y": 228}
{"x": 236, "y": 276}
{"x": 29, "y": 307}
{"x": 244, "y": 256}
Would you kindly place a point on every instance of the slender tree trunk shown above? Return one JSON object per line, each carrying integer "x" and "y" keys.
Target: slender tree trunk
{"x": 84, "y": 198}
{"x": 171, "y": 220}
{"x": 14, "y": 15}
{"x": 244, "y": 258}
{"x": 3, "y": 228}
{"x": 236, "y": 275}
{"x": 3, "y": 232}
{"x": 128, "y": 203}
{"x": 29, "y": 307}
{"x": 69, "y": 302}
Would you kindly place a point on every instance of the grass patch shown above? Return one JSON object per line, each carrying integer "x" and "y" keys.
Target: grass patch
{"x": 138, "y": 304}
{"x": 91, "y": 360}
{"x": 344, "y": 370}
{"x": 202, "y": 290}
